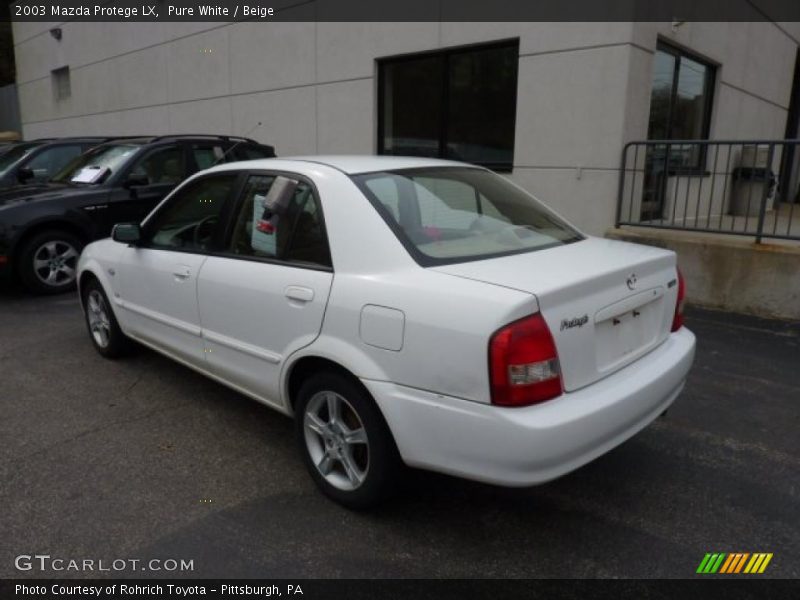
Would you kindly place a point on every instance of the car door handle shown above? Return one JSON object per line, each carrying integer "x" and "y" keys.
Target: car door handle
{"x": 182, "y": 273}
{"x": 299, "y": 293}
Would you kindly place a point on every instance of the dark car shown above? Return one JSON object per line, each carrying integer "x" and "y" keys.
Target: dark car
{"x": 44, "y": 226}
{"x": 38, "y": 160}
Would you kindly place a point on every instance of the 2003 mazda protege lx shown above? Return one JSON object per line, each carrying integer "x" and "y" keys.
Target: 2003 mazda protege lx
{"x": 404, "y": 310}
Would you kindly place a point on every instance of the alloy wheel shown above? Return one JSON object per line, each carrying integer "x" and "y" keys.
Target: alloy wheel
{"x": 55, "y": 263}
{"x": 99, "y": 321}
{"x": 336, "y": 440}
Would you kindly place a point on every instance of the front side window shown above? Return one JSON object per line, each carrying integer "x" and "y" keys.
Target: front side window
{"x": 18, "y": 152}
{"x": 458, "y": 104}
{"x": 680, "y": 104}
{"x": 446, "y": 215}
{"x": 96, "y": 165}
{"x": 49, "y": 161}
{"x": 189, "y": 221}
{"x": 296, "y": 235}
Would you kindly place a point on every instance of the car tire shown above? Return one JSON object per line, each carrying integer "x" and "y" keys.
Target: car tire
{"x": 48, "y": 262}
{"x": 104, "y": 330}
{"x": 352, "y": 458}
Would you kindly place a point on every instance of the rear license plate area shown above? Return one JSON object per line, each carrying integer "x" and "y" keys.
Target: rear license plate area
{"x": 623, "y": 337}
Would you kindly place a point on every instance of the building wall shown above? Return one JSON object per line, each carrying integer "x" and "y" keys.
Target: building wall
{"x": 583, "y": 87}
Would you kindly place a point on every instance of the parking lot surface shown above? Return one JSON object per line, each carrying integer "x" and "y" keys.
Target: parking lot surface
{"x": 143, "y": 458}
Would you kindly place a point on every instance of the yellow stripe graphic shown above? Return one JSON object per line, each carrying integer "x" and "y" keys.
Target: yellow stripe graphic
{"x": 765, "y": 563}
{"x": 757, "y": 558}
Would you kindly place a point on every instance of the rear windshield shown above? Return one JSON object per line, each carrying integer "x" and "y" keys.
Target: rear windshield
{"x": 105, "y": 160}
{"x": 453, "y": 214}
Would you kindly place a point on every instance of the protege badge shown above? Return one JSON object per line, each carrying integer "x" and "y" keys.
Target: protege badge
{"x": 576, "y": 322}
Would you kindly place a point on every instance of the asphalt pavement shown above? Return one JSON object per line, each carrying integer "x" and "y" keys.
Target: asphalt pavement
{"x": 142, "y": 458}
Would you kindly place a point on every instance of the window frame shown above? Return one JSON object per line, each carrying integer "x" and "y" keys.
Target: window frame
{"x": 710, "y": 83}
{"x": 225, "y": 214}
{"x": 445, "y": 55}
{"x": 235, "y": 205}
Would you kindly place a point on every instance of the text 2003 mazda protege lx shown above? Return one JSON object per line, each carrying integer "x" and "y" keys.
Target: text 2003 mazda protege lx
{"x": 403, "y": 310}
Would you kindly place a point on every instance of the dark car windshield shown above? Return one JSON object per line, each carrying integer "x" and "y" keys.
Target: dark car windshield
{"x": 96, "y": 165}
{"x": 450, "y": 214}
{"x": 19, "y": 151}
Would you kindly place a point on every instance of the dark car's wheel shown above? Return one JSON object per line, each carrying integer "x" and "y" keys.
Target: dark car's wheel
{"x": 104, "y": 330}
{"x": 346, "y": 445}
{"x": 48, "y": 262}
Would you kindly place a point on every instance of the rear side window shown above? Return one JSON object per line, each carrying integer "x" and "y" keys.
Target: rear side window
{"x": 207, "y": 155}
{"x": 251, "y": 152}
{"x": 298, "y": 235}
{"x": 455, "y": 214}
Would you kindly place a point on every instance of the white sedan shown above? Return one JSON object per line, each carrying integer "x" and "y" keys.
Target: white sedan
{"x": 403, "y": 310}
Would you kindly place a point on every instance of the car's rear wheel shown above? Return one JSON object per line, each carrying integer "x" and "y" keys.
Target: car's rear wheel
{"x": 104, "y": 331}
{"x": 346, "y": 444}
{"x": 48, "y": 262}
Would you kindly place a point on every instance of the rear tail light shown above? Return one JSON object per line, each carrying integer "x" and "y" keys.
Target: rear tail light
{"x": 677, "y": 320}
{"x": 523, "y": 363}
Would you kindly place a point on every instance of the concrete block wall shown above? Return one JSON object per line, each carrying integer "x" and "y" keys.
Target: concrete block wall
{"x": 584, "y": 88}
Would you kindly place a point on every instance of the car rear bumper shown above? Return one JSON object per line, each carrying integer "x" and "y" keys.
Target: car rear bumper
{"x": 525, "y": 446}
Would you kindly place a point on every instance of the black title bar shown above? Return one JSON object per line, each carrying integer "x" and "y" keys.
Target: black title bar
{"x": 405, "y": 10}
{"x": 709, "y": 587}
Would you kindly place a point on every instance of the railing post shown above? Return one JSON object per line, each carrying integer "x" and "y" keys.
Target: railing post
{"x": 621, "y": 189}
{"x": 763, "y": 210}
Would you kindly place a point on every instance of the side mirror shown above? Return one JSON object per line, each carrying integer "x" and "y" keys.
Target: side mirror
{"x": 127, "y": 233}
{"x": 136, "y": 180}
{"x": 24, "y": 174}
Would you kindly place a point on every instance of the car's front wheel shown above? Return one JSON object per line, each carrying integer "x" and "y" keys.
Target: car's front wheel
{"x": 104, "y": 331}
{"x": 48, "y": 262}
{"x": 346, "y": 444}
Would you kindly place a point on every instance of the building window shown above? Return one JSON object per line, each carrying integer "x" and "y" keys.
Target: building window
{"x": 680, "y": 103}
{"x": 61, "y": 85}
{"x": 459, "y": 104}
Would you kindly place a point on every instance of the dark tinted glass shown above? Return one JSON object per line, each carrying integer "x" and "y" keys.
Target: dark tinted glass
{"x": 250, "y": 152}
{"x": 162, "y": 166}
{"x": 411, "y": 108}
{"x": 14, "y": 154}
{"x": 661, "y": 95}
{"x": 459, "y": 104}
{"x": 680, "y": 106}
{"x": 482, "y": 106}
{"x": 49, "y": 161}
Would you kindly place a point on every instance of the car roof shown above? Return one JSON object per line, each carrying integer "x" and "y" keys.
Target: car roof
{"x": 141, "y": 140}
{"x": 349, "y": 164}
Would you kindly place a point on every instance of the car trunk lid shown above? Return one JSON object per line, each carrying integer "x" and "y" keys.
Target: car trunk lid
{"x": 606, "y": 302}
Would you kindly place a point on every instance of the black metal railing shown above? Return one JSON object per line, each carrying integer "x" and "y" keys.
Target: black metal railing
{"x": 740, "y": 187}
